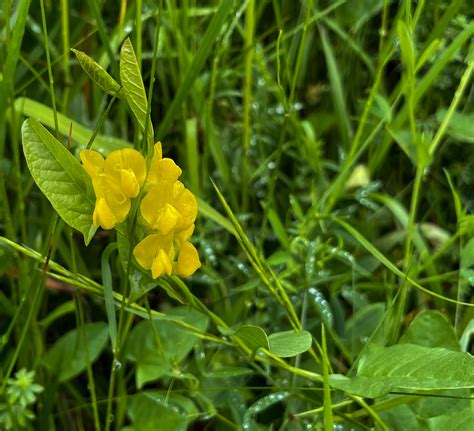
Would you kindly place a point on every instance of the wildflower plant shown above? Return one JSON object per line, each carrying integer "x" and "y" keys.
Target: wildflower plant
{"x": 323, "y": 270}
{"x": 167, "y": 209}
{"x": 21, "y": 393}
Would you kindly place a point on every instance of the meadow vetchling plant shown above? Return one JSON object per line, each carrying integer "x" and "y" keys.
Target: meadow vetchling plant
{"x": 167, "y": 211}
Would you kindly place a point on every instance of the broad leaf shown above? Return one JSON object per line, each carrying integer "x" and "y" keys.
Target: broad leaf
{"x": 459, "y": 421}
{"x": 408, "y": 366}
{"x": 253, "y": 336}
{"x": 287, "y": 344}
{"x": 158, "y": 412}
{"x": 431, "y": 329}
{"x": 60, "y": 177}
{"x": 72, "y": 352}
{"x": 133, "y": 87}
{"x": 97, "y": 73}
{"x": 156, "y": 350}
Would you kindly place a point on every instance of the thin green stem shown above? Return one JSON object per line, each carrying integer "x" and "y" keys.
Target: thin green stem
{"x": 247, "y": 102}
{"x": 50, "y": 72}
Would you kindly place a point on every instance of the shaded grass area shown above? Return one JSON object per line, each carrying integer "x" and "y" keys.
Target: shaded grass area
{"x": 329, "y": 145}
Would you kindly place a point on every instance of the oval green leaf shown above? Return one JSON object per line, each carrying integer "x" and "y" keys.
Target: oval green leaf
{"x": 60, "y": 177}
{"x": 407, "y": 366}
{"x": 73, "y": 351}
{"x": 288, "y": 343}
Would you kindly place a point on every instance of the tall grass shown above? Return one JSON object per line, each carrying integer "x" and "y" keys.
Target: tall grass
{"x": 329, "y": 146}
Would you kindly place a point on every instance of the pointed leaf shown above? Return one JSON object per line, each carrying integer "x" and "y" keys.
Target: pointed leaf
{"x": 60, "y": 177}
{"x": 431, "y": 329}
{"x": 97, "y": 73}
{"x": 133, "y": 87}
{"x": 71, "y": 353}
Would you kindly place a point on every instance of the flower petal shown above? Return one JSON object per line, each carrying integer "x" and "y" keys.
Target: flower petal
{"x": 126, "y": 158}
{"x": 188, "y": 260}
{"x": 103, "y": 215}
{"x": 168, "y": 219}
{"x": 129, "y": 183}
{"x": 168, "y": 170}
{"x": 146, "y": 250}
{"x": 161, "y": 265}
{"x": 186, "y": 205}
{"x": 92, "y": 161}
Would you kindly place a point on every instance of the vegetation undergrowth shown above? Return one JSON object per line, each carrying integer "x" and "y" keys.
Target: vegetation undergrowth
{"x": 231, "y": 215}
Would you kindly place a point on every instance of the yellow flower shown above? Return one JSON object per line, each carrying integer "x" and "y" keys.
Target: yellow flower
{"x": 168, "y": 210}
{"x": 162, "y": 169}
{"x": 158, "y": 252}
{"x": 169, "y": 206}
{"x": 115, "y": 179}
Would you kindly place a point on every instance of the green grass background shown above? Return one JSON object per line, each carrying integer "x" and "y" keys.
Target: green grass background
{"x": 330, "y": 146}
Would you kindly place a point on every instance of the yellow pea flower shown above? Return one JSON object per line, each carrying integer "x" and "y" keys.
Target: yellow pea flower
{"x": 158, "y": 252}
{"x": 169, "y": 206}
{"x": 162, "y": 169}
{"x": 115, "y": 179}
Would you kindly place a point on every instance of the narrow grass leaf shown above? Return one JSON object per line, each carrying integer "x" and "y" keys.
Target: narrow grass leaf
{"x": 192, "y": 154}
{"x": 210, "y": 36}
{"x": 406, "y": 47}
{"x": 9, "y": 66}
{"x": 380, "y": 257}
{"x": 109, "y": 293}
{"x": 328, "y": 419}
{"x": 337, "y": 90}
{"x": 80, "y": 134}
{"x": 60, "y": 177}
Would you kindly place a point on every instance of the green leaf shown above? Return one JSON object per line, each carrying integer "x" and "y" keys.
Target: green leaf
{"x": 80, "y": 134}
{"x": 460, "y": 125}
{"x": 288, "y": 343}
{"x": 157, "y": 349}
{"x": 406, "y": 47}
{"x": 337, "y": 90}
{"x": 60, "y": 177}
{"x": 431, "y": 329}
{"x": 427, "y": 53}
{"x": 467, "y": 262}
{"x": 253, "y": 336}
{"x": 109, "y": 293}
{"x": 97, "y": 73}
{"x": 150, "y": 411}
{"x": 228, "y": 372}
{"x": 262, "y": 404}
{"x": 361, "y": 325}
{"x": 133, "y": 87}
{"x": 407, "y": 366}
{"x": 459, "y": 421}
{"x": 70, "y": 354}
{"x": 210, "y": 36}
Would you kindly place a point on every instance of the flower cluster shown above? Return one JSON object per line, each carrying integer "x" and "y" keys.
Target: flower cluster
{"x": 167, "y": 210}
